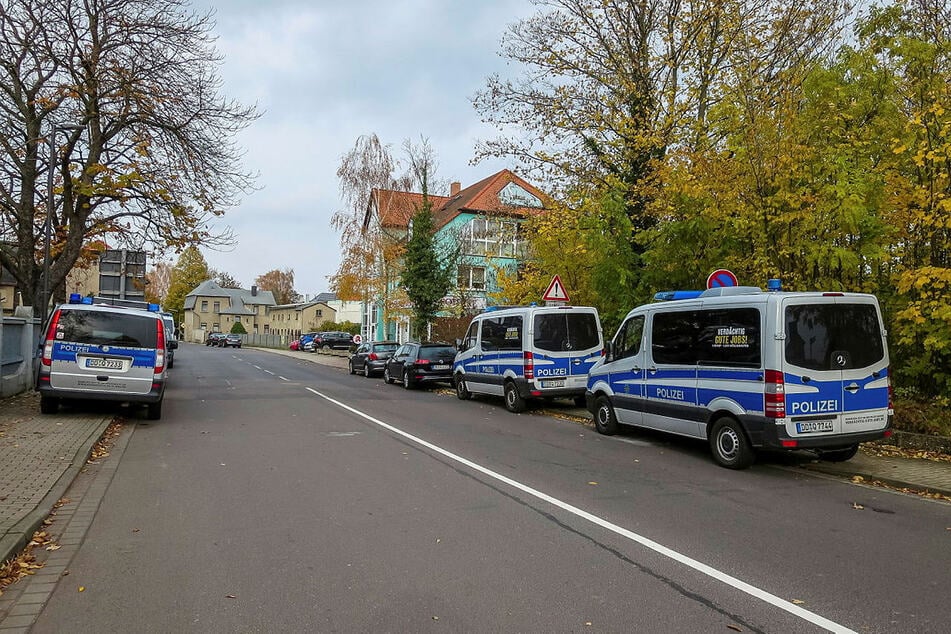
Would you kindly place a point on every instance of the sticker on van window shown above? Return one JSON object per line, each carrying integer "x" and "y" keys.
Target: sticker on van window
{"x": 731, "y": 337}
{"x": 511, "y": 333}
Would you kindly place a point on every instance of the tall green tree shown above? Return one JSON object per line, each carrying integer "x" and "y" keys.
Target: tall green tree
{"x": 189, "y": 271}
{"x": 427, "y": 275}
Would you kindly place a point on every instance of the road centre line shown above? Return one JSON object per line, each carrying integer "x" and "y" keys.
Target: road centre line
{"x": 269, "y": 372}
{"x": 699, "y": 566}
{"x": 281, "y": 377}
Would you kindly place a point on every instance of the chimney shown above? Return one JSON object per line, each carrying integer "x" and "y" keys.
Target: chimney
{"x": 254, "y": 291}
{"x": 454, "y": 188}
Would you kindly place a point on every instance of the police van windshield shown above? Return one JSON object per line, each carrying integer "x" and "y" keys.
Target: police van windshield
{"x": 563, "y": 331}
{"x": 106, "y": 329}
{"x": 833, "y": 336}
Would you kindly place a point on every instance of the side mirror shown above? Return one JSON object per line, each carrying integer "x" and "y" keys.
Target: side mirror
{"x": 608, "y": 351}
{"x": 458, "y": 344}
{"x": 173, "y": 345}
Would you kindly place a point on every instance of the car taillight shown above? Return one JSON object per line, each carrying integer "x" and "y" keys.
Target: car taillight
{"x": 891, "y": 395}
{"x": 159, "y": 347}
{"x": 422, "y": 361}
{"x": 528, "y": 362}
{"x": 775, "y": 397}
{"x": 50, "y": 337}
{"x": 372, "y": 357}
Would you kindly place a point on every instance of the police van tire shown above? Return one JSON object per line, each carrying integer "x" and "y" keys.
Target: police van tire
{"x": 154, "y": 411}
{"x": 49, "y": 405}
{"x": 729, "y": 445}
{"x": 513, "y": 400}
{"x": 605, "y": 421}
{"x": 462, "y": 390}
{"x": 839, "y": 455}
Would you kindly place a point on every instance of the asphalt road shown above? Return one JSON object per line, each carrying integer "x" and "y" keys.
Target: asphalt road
{"x": 280, "y": 495}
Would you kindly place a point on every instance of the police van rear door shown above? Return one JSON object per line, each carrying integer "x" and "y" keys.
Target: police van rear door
{"x": 835, "y": 365}
{"x": 566, "y": 343}
{"x": 99, "y": 351}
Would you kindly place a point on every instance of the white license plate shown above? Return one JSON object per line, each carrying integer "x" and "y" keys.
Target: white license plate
{"x": 814, "y": 425}
{"x": 554, "y": 383}
{"x": 104, "y": 364}
{"x": 441, "y": 367}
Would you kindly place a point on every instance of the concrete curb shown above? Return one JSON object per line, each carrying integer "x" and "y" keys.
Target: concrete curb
{"x": 20, "y": 534}
{"x": 869, "y": 477}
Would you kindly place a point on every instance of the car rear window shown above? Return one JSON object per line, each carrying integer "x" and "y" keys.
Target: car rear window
{"x": 436, "y": 351}
{"x": 385, "y": 347}
{"x": 107, "y": 329}
{"x": 833, "y": 336}
{"x": 563, "y": 331}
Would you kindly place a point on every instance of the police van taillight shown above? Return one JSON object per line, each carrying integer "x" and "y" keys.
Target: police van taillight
{"x": 528, "y": 362}
{"x": 50, "y": 338}
{"x": 159, "y": 346}
{"x": 775, "y": 395}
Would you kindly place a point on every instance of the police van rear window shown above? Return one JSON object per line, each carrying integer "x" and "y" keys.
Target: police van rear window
{"x": 833, "y": 336}
{"x": 564, "y": 331}
{"x": 106, "y": 329}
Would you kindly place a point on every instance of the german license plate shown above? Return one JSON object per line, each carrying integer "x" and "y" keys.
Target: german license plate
{"x": 554, "y": 383}
{"x": 813, "y": 425}
{"x": 104, "y": 364}
{"x": 441, "y": 366}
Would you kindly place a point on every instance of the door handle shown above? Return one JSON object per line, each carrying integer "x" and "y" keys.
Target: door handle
{"x": 852, "y": 388}
{"x": 576, "y": 362}
{"x": 652, "y": 370}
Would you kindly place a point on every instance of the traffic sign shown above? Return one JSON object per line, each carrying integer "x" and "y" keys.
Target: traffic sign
{"x": 556, "y": 291}
{"x": 357, "y": 339}
{"x": 721, "y": 278}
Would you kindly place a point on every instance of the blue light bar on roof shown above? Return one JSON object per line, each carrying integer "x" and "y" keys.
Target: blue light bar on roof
{"x": 75, "y": 298}
{"x": 666, "y": 296}
{"x": 153, "y": 308}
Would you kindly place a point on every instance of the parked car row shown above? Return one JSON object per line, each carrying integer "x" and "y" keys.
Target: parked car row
{"x": 325, "y": 340}
{"x": 738, "y": 368}
{"x": 223, "y": 340}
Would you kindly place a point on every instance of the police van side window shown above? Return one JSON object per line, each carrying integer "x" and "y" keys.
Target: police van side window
{"x": 627, "y": 343}
{"x": 729, "y": 337}
{"x": 502, "y": 333}
{"x": 469, "y": 341}
{"x": 674, "y": 337}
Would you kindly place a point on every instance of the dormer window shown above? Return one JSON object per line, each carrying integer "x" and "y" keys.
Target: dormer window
{"x": 517, "y": 196}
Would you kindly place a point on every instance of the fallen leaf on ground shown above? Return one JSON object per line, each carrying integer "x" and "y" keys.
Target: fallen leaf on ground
{"x": 53, "y": 547}
{"x": 798, "y": 601}
{"x": 857, "y": 506}
{"x": 593, "y": 483}
{"x": 82, "y": 588}
{"x": 230, "y": 596}
{"x": 734, "y": 628}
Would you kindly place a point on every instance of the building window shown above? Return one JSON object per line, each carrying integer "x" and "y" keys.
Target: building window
{"x": 204, "y": 325}
{"x": 204, "y": 305}
{"x": 472, "y": 277}
{"x": 217, "y": 307}
{"x": 320, "y": 312}
{"x": 491, "y": 237}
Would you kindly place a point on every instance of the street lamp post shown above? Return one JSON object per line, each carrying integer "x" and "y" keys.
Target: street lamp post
{"x": 48, "y": 225}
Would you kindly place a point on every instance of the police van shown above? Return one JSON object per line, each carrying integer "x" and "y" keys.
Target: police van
{"x": 746, "y": 369}
{"x": 103, "y": 352}
{"x": 528, "y": 352}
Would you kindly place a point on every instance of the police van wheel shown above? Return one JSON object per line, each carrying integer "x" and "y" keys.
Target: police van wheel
{"x": 462, "y": 390}
{"x": 154, "y": 411}
{"x": 49, "y": 405}
{"x": 839, "y": 455}
{"x": 604, "y": 419}
{"x": 730, "y": 447}
{"x": 513, "y": 400}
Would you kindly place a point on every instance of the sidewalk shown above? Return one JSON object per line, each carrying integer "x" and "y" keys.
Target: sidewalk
{"x": 40, "y": 455}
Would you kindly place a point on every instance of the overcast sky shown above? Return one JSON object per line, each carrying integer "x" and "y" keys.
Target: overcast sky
{"x": 325, "y": 72}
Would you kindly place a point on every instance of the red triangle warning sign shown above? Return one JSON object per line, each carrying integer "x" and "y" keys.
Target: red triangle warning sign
{"x": 556, "y": 291}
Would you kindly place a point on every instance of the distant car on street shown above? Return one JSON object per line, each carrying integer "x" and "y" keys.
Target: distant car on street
{"x": 415, "y": 363}
{"x": 214, "y": 338}
{"x": 295, "y": 345}
{"x": 230, "y": 341}
{"x": 370, "y": 357}
{"x": 332, "y": 340}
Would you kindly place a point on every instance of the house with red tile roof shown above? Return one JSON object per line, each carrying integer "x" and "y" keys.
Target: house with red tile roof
{"x": 484, "y": 220}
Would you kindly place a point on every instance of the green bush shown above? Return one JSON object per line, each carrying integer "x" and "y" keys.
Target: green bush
{"x": 238, "y": 329}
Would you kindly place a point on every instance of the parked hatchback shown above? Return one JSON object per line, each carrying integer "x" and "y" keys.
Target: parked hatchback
{"x": 332, "y": 339}
{"x": 415, "y": 363}
{"x": 370, "y": 358}
{"x": 231, "y": 341}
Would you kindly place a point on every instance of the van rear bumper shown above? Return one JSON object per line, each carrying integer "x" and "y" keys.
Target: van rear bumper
{"x": 765, "y": 433}
{"x": 153, "y": 396}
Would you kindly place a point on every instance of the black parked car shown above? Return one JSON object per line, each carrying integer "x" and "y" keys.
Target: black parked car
{"x": 370, "y": 357}
{"x": 214, "y": 338}
{"x": 415, "y": 363}
{"x": 332, "y": 339}
{"x": 230, "y": 341}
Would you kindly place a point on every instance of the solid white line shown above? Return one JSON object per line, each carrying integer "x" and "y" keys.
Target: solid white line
{"x": 701, "y": 567}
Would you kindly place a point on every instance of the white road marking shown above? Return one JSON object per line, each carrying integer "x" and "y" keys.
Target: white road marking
{"x": 256, "y": 367}
{"x": 690, "y": 562}
{"x": 269, "y": 372}
{"x": 281, "y": 377}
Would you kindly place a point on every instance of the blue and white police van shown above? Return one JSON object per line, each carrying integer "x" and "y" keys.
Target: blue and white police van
{"x": 746, "y": 369}
{"x": 528, "y": 352}
{"x": 103, "y": 352}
